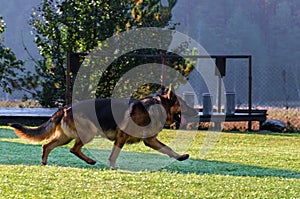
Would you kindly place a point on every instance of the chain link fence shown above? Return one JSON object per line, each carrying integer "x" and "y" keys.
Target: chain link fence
{"x": 16, "y": 99}
{"x": 275, "y": 88}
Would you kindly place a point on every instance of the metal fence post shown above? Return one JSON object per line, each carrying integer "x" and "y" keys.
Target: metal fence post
{"x": 250, "y": 92}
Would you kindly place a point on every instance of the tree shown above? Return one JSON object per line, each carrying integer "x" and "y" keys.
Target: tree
{"x": 9, "y": 64}
{"x": 79, "y": 26}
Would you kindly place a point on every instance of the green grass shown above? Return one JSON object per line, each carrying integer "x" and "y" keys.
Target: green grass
{"x": 237, "y": 166}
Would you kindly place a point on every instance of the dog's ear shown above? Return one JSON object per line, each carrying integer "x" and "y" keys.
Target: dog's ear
{"x": 171, "y": 93}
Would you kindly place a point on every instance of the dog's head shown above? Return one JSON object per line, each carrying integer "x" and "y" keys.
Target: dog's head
{"x": 174, "y": 106}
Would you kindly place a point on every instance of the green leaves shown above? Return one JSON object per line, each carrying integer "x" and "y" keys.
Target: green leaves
{"x": 9, "y": 64}
{"x": 71, "y": 26}
{"x": 2, "y": 25}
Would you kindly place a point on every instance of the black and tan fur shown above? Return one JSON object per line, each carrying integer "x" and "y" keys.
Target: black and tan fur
{"x": 61, "y": 128}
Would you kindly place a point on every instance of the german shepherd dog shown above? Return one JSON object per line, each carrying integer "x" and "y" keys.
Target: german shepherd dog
{"x": 130, "y": 122}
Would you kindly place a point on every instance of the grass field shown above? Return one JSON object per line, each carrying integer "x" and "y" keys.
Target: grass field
{"x": 239, "y": 165}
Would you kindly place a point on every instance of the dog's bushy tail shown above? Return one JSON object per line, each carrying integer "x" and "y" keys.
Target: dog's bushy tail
{"x": 44, "y": 131}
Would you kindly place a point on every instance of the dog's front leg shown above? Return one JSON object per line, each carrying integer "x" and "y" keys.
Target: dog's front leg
{"x": 154, "y": 143}
{"x": 121, "y": 139}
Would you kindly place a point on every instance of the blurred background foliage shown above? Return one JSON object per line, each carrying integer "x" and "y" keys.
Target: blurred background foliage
{"x": 10, "y": 66}
{"x": 74, "y": 26}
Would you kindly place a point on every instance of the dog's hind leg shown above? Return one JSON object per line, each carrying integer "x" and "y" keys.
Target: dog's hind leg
{"x": 121, "y": 139}
{"x": 76, "y": 150}
{"x": 58, "y": 141}
{"x": 155, "y": 144}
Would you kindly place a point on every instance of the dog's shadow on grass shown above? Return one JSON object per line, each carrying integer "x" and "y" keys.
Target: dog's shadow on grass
{"x": 13, "y": 153}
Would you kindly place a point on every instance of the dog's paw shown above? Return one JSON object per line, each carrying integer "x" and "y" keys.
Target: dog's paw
{"x": 183, "y": 157}
{"x": 91, "y": 162}
{"x": 43, "y": 163}
{"x": 113, "y": 167}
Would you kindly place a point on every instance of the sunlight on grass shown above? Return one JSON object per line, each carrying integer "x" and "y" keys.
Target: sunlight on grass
{"x": 238, "y": 166}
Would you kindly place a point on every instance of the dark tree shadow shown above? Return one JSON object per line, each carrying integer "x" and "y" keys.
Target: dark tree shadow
{"x": 202, "y": 167}
{"x": 13, "y": 153}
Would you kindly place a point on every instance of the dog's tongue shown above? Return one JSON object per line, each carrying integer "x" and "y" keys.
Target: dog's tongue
{"x": 183, "y": 121}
